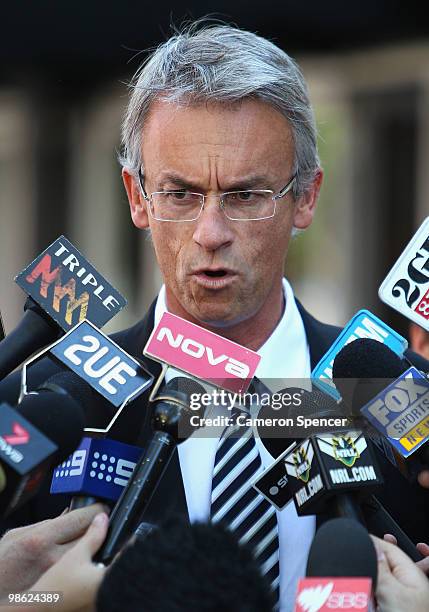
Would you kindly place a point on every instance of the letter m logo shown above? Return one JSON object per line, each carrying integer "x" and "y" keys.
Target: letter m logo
{"x": 48, "y": 276}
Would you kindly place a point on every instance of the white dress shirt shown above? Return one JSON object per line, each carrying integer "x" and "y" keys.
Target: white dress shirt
{"x": 285, "y": 355}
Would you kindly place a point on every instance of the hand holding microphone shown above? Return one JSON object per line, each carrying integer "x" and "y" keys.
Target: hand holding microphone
{"x": 75, "y": 576}
{"x": 27, "y": 552}
{"x": 401, "y": 585}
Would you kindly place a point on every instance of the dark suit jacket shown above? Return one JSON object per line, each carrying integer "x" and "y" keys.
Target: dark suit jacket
{"x": 409, "y": 504}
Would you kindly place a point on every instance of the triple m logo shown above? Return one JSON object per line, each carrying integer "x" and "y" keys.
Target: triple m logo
{"x": 68, "y": 287}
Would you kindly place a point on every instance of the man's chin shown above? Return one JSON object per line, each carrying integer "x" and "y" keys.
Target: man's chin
{"x": 219, "y": 318}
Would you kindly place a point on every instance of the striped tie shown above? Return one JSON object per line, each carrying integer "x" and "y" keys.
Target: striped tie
{"x": 238, "y": 505}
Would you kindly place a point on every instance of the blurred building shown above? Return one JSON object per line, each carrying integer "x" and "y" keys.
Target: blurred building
{"x": 62, "y": 95}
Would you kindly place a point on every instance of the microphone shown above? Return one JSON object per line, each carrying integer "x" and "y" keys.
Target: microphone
{"x": 64, "y": 288}
{"x": 351, "y": 551}
{"x": 341, "y": 569}
{"x": 304, "y": 412}
{"x": 171, "y": 425}
{"x": 315, "y": 413}
{"x": 99, "y": 468}
{"x": 103, "y": 365}
{"x": 363, "y": 324}
{"x": 406, "y": 286}
{"x": 95, "y": 408}
{"x": 45, "y": 430}
{"x": 202, "y": 353}
{"x": 332, "y": 473}
{"x": 389, "y": 399}
{"x": 277, "y": 483}
{"x": 35, "y": 330}
{"x": 97, "y": 471}
{"x": 365, "y": 367}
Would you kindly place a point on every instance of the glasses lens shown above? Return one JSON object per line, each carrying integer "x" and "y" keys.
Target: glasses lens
{"x": 249, "y": 205}
{"x": 176, "y": 206}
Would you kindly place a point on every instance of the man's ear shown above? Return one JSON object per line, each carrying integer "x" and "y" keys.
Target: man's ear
{"x": 306, "y": 204}
{"x": 419, "y": 340}
{"x": 136, "y": 200}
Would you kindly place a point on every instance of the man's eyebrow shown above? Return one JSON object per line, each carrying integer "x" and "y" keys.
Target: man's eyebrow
{"x": 249, "y": 182}
{"x": 178, "y": 181}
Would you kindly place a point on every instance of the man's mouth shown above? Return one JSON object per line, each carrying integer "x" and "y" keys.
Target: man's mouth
{"x": 210, "y": 278}
{"x": 215, "y": 273}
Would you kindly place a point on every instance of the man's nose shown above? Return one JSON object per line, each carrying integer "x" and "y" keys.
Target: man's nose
{"x": 213, "y": 229}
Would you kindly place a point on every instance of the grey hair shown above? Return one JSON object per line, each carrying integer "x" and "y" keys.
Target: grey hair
{"x": 221, "y": 63}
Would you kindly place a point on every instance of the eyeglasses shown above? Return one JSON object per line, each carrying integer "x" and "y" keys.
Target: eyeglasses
{"x": 181, "y": 205}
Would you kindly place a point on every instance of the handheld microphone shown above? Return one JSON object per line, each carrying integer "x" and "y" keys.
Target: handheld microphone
{"x": 274, "y": 483}
{"x": 202, "y": 353}
{"x": 35, "y": 330}
{"x": 171, "y": 425}
{"x": 406, "y": 286}
{"x": 365, "y": 367}
{"x": 323, "y": 471}
{"x": 341, "y": 569}
{"x": 332, "y": 473}
{"x": 64, "y": 289}
{"x": 363, "y": 324}
{"x": 390, "y": 399}
{"x": 342, "y": 547}
{"x": 45, "y": 430}
{"x": 316, "y": 412}
{"x": 103, "y": 365}
{"x": 99, "y": 468}
{"x": 97, "y": 471}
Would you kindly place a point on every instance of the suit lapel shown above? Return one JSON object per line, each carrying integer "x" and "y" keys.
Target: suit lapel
{"x": 319, "y": 335}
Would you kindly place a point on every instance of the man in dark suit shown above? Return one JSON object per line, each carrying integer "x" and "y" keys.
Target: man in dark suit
{"x": 220, "y": 165}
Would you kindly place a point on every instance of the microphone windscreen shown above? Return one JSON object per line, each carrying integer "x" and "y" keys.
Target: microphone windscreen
{"x": 96, "y": 409}
{"x": 314, "y": 403}
{"x": 363, "y": 368}
{"x": 185, "y": 385}
{"x": 342, "y": 547}
{"x": 367, "y": 358}
{"x": 58, "y": 417}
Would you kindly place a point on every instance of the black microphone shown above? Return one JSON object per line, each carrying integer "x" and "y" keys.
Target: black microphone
{"x": 365, "y": 506}
{"x": 342, "y": 569}
{"x": 171, "y": 416}
{"x": 86, "y": 475}
{"x": 362, "y": 369}
{"x": 35, "y": 330}
{"x": 299, "y": 420}
{"x": 329, "y": 471}
{"x": 366, "y": 368}
{"x": 96, "y": 409}
{"x": 321, "y": 411}
{"x": 44, "y": 430}
{"x": 342, "y": 547}
{"x": 294, "y": 419}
